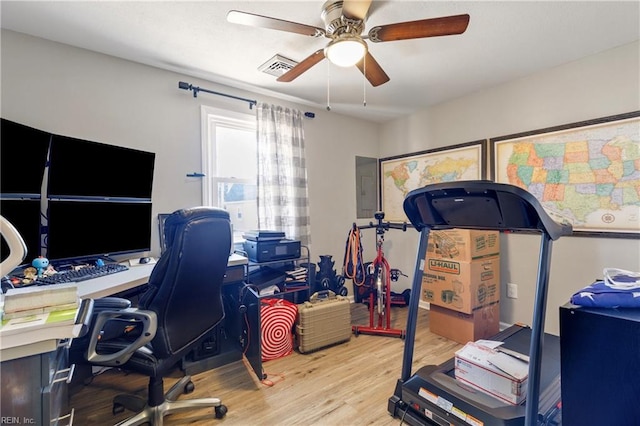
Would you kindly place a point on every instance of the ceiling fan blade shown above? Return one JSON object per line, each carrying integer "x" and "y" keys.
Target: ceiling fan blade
{"x": 372, "y": 70}
{"x": 433, "y": 27}
{"x": 303, "y": 66}
{"x": 356, "y": 9}
{"x": 244, "y": 18}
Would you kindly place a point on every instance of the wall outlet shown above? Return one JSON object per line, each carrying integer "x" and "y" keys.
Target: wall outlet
{"x": 512, "y": 291}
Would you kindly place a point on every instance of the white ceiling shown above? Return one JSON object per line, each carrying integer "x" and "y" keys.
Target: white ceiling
{"x": 505, "y": 40}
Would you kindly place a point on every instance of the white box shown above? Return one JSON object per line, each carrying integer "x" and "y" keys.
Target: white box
{"x": 475, "y": 366}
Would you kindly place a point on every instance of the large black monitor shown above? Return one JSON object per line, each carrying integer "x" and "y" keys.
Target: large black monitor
{"x": 84, "y": 229}
{"x": 23, "y": 156}
{"x": 80, "y": 168}
{"x": 24, "y": 215}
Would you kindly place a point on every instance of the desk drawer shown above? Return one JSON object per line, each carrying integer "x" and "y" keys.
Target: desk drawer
{"x": 55, "y": 394}
{"x": 35, "y": 388}
{"x": 21, "y": 384}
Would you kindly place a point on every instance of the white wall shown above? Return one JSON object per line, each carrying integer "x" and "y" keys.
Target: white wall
{"x": 83, "y": 94}
{"x": 597, "y": 86}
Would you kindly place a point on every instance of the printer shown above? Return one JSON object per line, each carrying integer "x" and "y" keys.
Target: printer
{"x": 268, "y": 246}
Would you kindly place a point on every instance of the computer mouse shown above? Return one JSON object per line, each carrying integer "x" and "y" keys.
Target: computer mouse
{"x": 144, "y": 260}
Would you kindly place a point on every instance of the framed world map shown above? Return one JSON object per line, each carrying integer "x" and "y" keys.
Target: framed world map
{"x": 403, "y": 173}
{"x": 587, "y": 173}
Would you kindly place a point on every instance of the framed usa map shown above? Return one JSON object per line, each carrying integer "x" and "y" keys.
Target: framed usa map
{"x": 403, "y": 173}
{"x": 586, "y": 173}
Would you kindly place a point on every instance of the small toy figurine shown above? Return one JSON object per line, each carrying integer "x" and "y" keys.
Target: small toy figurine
{"x": 41, "y": 264}
{"x": 30, "y": 274}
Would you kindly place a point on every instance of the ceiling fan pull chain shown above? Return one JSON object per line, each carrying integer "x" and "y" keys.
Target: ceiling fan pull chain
{"x": 328, "y": 85}
{"x": 364, "y": 81}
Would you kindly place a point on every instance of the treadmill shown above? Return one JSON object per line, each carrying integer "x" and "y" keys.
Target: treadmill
{"x": 432, "y": 395}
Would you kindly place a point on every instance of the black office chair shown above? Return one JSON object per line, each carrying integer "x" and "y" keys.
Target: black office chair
{"x": 182, "y": 305}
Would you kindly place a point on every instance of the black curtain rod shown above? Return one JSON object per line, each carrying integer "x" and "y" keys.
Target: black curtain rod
{"x": 186, "y": 86}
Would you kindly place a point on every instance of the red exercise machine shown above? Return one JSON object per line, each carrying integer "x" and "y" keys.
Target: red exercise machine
{"x": 378, "y": 276}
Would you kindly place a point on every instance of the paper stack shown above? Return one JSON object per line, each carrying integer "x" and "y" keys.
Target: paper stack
{"x": 298, "y": 274}
{"x": 24, "y": 302}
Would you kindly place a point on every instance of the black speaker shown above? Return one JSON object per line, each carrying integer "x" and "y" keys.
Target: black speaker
{"x": 600, "y": 355}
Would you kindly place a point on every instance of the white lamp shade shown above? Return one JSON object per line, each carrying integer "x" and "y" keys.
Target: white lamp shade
{"x": 345, "y": 52}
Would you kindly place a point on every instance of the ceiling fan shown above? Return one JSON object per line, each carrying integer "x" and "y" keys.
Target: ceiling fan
{"x": 344, "y": 22}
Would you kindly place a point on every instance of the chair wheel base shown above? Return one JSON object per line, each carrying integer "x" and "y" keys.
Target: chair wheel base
{"x": 221, "y": 411}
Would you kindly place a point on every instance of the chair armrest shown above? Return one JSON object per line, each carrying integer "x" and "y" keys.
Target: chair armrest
{"x": 110, "y": 302}
{"x": 148, "y": 321}
{"x": 84, "y": 316}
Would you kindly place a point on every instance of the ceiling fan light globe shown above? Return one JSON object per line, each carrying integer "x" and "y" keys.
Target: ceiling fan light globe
{"x": 345, "y": 52}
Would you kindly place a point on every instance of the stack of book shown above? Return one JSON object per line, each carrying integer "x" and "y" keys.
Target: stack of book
{"x": 38, "y": 314}
{"x": 39, "y": 300}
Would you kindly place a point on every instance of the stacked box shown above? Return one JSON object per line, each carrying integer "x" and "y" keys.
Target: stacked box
{"x": 482, "y": 323}
{"x": 461, "y": 286}
{"x": 461, "y": 282}
{"x": 463, "y": 245}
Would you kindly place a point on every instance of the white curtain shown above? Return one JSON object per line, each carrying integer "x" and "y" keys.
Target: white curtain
{"x": 283, "y": 203}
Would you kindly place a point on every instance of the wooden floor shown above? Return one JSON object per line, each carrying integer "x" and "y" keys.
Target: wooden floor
{"x": 346, "y": 384}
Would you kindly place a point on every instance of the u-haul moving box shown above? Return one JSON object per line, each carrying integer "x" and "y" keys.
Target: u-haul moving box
{"x": 475, "y": 365}
{"x": 461, "y": 286}
{"x": 482, "y": 323}
{"x": 463, "y": 245}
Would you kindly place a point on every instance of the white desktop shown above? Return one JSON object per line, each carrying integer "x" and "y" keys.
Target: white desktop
{"x": 31, "y": 340}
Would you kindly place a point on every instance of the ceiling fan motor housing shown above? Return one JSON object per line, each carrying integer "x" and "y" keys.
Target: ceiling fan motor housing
{"x": 336, "y": 23}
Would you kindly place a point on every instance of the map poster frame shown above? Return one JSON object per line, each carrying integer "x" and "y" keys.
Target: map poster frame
{"x": 476, "y": 151}
{"x": 566, "y": 157}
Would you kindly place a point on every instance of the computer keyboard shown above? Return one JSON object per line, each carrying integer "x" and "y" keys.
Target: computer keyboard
{"x": 82, "y": 274}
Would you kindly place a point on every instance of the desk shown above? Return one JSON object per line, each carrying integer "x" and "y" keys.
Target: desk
{"x": 126, "y": 280}
{"x": 33, "y": 342}
{"x": 222, "y": 346}
{"x": 115, "y": 283}
{"x": 34, "y": 369}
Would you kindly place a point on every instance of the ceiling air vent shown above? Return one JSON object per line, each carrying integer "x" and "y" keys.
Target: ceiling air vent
{"x": 277, "y": 65}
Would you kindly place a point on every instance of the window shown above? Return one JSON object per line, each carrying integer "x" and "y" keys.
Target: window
{"x": 230, "y": 164}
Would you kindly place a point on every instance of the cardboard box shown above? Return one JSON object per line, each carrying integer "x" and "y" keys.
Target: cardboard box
{"x": 475, "y": 366}
{"x": 464, "y": 245}
{"x": 482, "y": 323}
{"x": 461, "y": 286}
